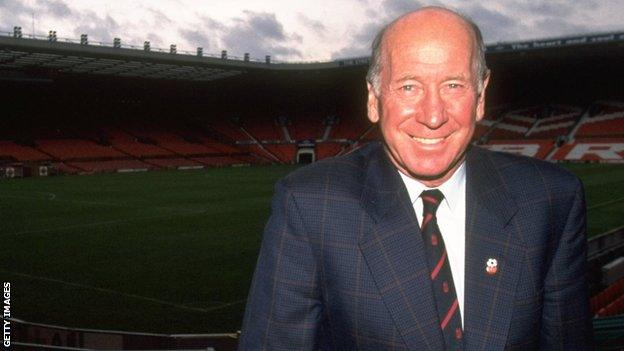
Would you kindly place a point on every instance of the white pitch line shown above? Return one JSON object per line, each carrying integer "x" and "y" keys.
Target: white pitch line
{"x": 605, "y": 203}
{"x": 95, "y": 224}
{"x": 53, "y": 197}
{"x": 133, "y": 296}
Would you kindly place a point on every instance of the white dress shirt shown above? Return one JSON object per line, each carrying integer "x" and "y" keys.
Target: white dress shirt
{"x": 451, "y": 216}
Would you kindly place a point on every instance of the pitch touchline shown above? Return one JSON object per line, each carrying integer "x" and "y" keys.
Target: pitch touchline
{"x": 134, "y": 296}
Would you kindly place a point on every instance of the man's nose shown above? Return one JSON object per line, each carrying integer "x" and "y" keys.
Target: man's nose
{"x": 433, "y": 115}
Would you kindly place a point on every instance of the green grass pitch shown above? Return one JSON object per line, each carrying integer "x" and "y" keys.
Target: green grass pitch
{"x": 166, "y": 251}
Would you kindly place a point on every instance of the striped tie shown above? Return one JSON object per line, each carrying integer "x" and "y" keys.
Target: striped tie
{"x": 441, "y": 276}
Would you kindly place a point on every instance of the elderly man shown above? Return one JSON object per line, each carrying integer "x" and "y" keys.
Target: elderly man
{"x": 423, "y": 242}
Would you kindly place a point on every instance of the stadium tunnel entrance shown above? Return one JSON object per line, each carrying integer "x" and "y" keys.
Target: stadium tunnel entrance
{"x": 305, "y": 152}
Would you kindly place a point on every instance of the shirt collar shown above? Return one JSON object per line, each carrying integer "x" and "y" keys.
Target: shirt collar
{"x": 452, "y": 189}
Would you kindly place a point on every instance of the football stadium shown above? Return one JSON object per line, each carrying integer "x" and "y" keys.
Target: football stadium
{"x": 135, "y": 182}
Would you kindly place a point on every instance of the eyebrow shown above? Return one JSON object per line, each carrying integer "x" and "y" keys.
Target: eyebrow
{"x": 412, "y": 77}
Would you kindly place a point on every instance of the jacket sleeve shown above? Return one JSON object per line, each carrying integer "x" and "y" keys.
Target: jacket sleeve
{"x": 566, "y": 319}
{"x": 283, "y": 308}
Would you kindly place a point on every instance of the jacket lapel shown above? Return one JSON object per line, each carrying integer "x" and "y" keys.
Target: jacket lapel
{"x": 490, "y": 233}
{"x": 394, "y": 252}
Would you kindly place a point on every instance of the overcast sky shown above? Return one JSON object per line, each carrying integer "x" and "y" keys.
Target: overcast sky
{"x": 292, "y": 30}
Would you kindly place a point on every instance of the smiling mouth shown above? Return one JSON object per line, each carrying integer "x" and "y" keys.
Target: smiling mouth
{"x": 428, "y": 141}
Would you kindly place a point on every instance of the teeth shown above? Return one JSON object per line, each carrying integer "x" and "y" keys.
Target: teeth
{"x": 428, "y": 141}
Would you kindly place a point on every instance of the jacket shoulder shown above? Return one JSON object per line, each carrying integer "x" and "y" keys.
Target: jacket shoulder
{"x": 341, "y": 175}
{"x": 519, "y": 169}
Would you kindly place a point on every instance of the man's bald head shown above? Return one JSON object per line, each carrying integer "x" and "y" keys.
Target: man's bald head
{"x": 425, "y": 23}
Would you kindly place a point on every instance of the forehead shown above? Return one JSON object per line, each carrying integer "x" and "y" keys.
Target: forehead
{"x": 429, "y": 41}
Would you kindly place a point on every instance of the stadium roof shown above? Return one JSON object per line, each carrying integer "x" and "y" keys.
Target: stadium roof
{"x": 45, "y": 55}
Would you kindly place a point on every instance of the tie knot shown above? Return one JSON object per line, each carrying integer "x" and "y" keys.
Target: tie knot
{"x": 431, "y": 200}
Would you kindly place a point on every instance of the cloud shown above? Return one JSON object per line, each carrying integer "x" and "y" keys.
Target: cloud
{"x": 15, "y": 13}
{"x": 200, "y": 38}
{"x": 55, "y": 8}
{"x": 260, "y": 33}
{"x": 99, "y": 28}
{"x": 265, "y": 24}
{"x": 315, "y": 26}
{"x": 160, "y": 18}
{"x": 560, "y": 26}
{"x": 395, "y": 8}
{"x": 495, "y": 26}
{"x": 360, "y": 39}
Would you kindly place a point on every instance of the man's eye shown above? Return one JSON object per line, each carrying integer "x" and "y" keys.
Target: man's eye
{"x": 454, "y": 85}
{"x": 407, "y": 87}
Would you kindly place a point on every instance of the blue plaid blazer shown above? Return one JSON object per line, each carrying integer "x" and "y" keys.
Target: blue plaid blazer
{"x": 342, "y": 264}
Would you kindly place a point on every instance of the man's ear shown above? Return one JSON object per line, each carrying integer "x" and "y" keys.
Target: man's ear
{"x": 481, "y": 97}
{"x": 372, "y": 104}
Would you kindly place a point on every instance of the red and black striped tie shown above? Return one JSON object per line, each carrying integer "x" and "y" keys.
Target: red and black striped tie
{"x": 441, "y": 275}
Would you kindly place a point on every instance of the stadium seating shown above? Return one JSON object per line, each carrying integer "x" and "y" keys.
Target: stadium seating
{"x": 138, "y": 144}
{"x": 350, "y": 127}
{"x": 600, "y": 301}
{"x": 606, "y": 125}
{"x": 306, "y": 128}
{"x": 263, "y": 130}
{"x": 231, "y": 131}
{"x": 74, "y": 149}
{"x": 130, "y": 145}
{"x": 284, "y": 152}
{"x": 324, "y": 150}
{"x": 554, "y": 126}
{"x": 22, "y": 153}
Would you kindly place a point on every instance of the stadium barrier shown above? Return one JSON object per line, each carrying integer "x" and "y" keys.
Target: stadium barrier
{"x": 37, "y": 336}
{"x": 608, "y": 333}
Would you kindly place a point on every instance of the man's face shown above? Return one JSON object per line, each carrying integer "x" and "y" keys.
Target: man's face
{"x": 428, "y": 102}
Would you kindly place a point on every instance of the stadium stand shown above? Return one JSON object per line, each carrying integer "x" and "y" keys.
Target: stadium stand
{"x": 9, "y": 149}
{"x": 558, "y": 121}
{"x": 263, "y": 129}
{"x": 75, "y": 149}
{"x": 605, "y": 298}
{"x": 119, "y": 120}
{"x": 286, "y": 153}
{"x": 307, "y": 127}
{"x": 609, "y": 124}
{"x": 130, "y": 145}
